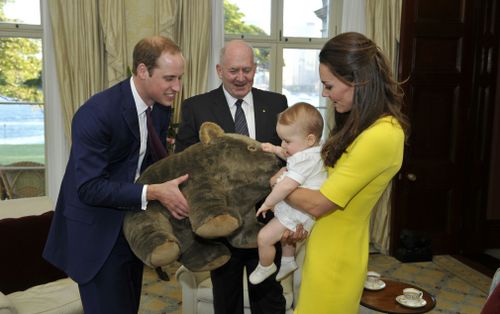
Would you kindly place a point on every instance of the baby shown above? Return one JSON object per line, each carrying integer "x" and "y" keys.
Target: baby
{"x": 300, "y": 128}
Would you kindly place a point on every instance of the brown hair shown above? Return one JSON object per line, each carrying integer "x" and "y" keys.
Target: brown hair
{"x": 309, "y": 119}
{"x": 149, "y": 49}
{"x": 358, "y": 62}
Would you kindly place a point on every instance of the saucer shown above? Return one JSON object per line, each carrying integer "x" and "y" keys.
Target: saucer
{"x": 410, "y": 303}
{"x": 375, "y": 286}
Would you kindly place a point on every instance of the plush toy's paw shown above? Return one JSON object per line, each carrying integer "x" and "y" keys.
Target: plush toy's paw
{"x": 165, "y": 254}
{"x": 218, "y": 226}
{"x": 198, "y": 254}
{"x": 209, "y": 215}
{"x": 151, "y": 237}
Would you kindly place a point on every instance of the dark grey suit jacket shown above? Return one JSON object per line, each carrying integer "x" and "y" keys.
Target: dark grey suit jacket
{"x": 213, "y": 107}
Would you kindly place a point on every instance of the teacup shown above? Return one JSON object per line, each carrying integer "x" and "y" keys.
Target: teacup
{"x": 372, "y": 276}
{"x": 372, "y": 279}
{"x": 412, "y": 294}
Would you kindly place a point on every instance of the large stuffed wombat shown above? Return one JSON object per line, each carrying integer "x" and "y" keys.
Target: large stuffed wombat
{"x": 228, "y": 175}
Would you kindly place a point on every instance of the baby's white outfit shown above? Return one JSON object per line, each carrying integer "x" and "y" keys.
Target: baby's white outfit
{"x": 305, "y": 167}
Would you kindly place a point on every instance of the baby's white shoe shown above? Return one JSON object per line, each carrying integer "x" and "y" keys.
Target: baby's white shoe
{"x": 286, "y": 269}
{"x": 261, "y": 273}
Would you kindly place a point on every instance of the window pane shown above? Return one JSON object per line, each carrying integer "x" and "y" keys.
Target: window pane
{"x": 262, "y": 58}
{"x": 247, "y": 17}
{"x": 21, "y": 125}
{"x": 21, "y": 64}
{"x": 309, "y": 19}
{"x": 301, "y": 76}
{"x": 22, "y": 135}
{"x": 301, "y": 82}
{"x": 22, "y": 150}
{"x": 20, "y": 11}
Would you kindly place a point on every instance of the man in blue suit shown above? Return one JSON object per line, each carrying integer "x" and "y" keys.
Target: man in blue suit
{"x": 109, "y": 151}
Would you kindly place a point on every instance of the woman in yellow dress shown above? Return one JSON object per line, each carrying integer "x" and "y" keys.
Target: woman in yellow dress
{"x": 362, "y": 155}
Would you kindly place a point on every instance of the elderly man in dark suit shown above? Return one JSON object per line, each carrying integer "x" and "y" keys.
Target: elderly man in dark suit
{"x": 111, "y": 144}
{"x": 237, "y": 107}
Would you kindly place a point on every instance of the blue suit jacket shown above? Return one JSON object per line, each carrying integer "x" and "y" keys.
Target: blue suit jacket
{"x": 98, "y": 185}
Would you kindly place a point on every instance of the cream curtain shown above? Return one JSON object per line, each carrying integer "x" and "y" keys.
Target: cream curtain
{"x": 382, "y": 26}
{"x": 112, "y": 18}
{"x": 380, "y": 228}
{"x": 194, "y": 39}
{"x": 383, "y": 19}
{"x": 353, "y": 16}
{"x": 78, "y": 51}
{"x": 175, "y": 19}
{"x": 166, "y": 18}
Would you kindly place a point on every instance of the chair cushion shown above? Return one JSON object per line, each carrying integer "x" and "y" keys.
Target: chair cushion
{"x": 204, "y": 292}
{"x": 57, "y": 297}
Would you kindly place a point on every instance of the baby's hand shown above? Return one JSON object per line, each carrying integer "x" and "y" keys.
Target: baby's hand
{"x": 274, "y": 179}
{"x": 263, "y": 209}
{"x": 268, "y": 147}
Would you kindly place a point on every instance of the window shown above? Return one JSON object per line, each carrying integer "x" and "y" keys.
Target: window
{"x": 22, "y": 109}
{"x": 287, "y": 36}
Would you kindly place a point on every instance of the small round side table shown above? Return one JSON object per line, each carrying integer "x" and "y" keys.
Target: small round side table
{"x": 385, "y": 300}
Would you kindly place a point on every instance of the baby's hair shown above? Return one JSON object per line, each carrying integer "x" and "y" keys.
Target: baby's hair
{"x": 307, "y": 117}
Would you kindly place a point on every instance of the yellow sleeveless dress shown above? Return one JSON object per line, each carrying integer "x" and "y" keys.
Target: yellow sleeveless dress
{"x": 336, "y": 258}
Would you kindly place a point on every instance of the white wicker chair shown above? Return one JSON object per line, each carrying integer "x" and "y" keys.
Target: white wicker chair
{"x": 197, "y": 289}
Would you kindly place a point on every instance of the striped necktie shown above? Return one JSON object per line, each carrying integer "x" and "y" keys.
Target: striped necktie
{"x": 240, "y": 123}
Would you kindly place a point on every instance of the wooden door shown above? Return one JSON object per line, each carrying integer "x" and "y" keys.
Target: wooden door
{"x": 481, "y": 227}
{"x": 436, "y": 55}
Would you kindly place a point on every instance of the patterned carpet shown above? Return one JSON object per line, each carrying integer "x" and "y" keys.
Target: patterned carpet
{"x": 458, "y": 288}
{"x": 158, "y": 296}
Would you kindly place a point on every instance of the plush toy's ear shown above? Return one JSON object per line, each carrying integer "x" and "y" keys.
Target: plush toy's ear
{"x": 209, "y": 131}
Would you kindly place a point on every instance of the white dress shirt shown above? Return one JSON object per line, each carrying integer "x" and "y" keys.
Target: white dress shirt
{"x": 143, "y": 131}
{"x": 247, "y": 106}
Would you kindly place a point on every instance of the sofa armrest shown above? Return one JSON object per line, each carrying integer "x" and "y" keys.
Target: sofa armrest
{"x": 6, "y": 306}
{"x": 21, "y": 243}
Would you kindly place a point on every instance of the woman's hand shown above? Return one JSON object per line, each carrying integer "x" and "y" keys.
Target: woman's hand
{"x": 290, "y": 237}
